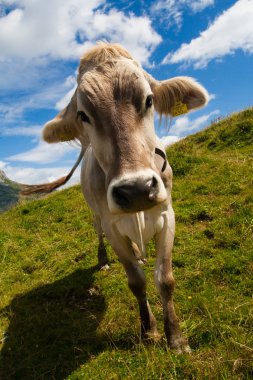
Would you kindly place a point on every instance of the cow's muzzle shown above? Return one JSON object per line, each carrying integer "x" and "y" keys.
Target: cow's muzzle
{"x": 135, "y": 193}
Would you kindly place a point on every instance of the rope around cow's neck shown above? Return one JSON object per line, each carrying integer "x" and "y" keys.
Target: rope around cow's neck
{"x": 141, "y": 245}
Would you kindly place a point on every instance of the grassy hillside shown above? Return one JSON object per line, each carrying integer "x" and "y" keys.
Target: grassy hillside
{"x": 63, "y": 319}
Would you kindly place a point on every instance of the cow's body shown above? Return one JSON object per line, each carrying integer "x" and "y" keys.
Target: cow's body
{"x": 122, "y": 230}
{"x": 138, "y": 229}
{"x": 125, "y": 182}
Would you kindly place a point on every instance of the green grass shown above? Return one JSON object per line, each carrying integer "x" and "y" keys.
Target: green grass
{"x": 63, "y": 319}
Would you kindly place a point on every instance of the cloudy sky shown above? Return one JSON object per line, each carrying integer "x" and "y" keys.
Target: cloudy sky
{"x": 41, "y": 42}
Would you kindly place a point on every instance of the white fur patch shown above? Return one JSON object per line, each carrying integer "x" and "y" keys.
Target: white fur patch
{"x": 151, "y": 223}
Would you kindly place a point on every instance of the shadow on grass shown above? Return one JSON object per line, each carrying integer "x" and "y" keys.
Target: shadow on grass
{"x": 53, "y": 329}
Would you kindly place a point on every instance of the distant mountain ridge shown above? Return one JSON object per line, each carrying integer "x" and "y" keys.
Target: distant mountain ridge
{"x": 3, "y": 176}
{"x": 9, "y": 192}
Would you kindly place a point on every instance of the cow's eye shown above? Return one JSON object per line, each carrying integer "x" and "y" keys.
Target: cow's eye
{"x": 83, "y": 116}
{"x": 149, "y": 101}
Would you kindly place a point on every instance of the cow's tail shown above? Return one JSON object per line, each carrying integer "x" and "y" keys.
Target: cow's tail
{"x": 49, "y": 187}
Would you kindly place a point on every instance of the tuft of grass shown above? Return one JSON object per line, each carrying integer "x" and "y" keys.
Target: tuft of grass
{"x": 60, "y": 318}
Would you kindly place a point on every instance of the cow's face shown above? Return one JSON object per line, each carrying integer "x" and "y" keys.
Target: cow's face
{"x": 113, "y": 109}
{"x": 115, "y": 103}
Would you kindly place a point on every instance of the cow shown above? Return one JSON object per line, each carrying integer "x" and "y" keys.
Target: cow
{"x": 125, "y": 177}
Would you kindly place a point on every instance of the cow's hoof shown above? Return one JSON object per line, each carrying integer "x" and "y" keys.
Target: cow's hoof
{"x": 183, "y": 350}
{"x": 180, "y": 345}
{"x": 151, "y": 337}
{"x": 104, "y": 267}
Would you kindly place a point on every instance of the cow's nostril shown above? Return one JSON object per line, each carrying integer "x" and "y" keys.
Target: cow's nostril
{"x": 120, "y": 196}
{"x": 150, "y": 184}
{"x": 153, "y": 188}
{"x": 154, "y": 182}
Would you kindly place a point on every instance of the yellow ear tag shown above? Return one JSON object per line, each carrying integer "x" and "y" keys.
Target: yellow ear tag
{"x": 179, "y": 108}
{"x": 66, "y": 137}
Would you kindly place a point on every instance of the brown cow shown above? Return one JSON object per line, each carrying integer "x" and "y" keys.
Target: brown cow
{"x": 125, "y": 176}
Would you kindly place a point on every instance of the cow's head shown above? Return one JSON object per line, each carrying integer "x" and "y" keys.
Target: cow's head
{"x": 113, "y": 110}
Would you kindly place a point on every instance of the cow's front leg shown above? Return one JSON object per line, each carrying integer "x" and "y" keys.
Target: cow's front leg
{"x": 137, "y": 284}
{"x": 136, "y": 279}
{"x": 165, "y": 283}
{"x": 103, "y": 261}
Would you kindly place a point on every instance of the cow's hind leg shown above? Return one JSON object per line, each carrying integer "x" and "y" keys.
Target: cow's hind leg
{"x": 137, "y": 284}
{"x": 103, "y": 261}
{"x": 165, "y": 284}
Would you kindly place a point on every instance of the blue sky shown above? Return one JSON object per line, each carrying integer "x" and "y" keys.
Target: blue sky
{"x": 41, "y": 42}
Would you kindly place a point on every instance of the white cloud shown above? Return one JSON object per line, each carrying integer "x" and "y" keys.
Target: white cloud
{"x": 199, "y": 5}
{"x": 168, "y": 140}
{"x": 169, "y": 11}
{"x": 184, "y": 126}
{"x": 21, "y": 75}
{"x": 33, "y": 176}
{"x": 232, "y": 30}
{"x": 212, "y": 97}
{"x": 64, "y": 101}
{"x": 39, "y": 40}
{"x": 34, "y": 130}
{"x": 172, "y": 11}
{"x": 134, "y": 33}
{"x": 44, "y": 153}
{"x": 45, "y": 94}
{"x": 10, "y": 112}
{"x": 64, "y": 29}
{"x": 2, "y": 165}
{"x": 70, "y": 84}
{"x": 39, "y": 28}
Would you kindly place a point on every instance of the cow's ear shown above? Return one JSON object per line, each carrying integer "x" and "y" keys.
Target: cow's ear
{"x": 178, "y": 95}
{"x": 65, "y": 126}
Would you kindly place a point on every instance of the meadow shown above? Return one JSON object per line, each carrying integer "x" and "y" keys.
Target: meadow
{"x": 62, "y": 318}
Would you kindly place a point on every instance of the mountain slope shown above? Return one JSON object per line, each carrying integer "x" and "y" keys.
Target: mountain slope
{"x": 61, "y": 318}
{"x": 9, "y": 192}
